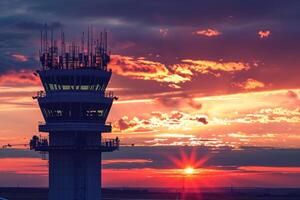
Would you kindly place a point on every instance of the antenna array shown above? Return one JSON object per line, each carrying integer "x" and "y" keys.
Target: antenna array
{"x": 92, "y": 52}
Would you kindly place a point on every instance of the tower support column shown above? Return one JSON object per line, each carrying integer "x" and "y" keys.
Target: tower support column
{"x": 74, "y": 175}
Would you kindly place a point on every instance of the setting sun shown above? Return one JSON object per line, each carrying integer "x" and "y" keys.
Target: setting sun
{"x": 189, "y": 170}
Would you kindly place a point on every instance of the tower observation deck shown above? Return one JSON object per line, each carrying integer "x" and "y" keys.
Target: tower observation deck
{"x": 75, "y": 106}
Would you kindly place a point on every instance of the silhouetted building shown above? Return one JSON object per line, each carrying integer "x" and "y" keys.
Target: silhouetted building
{"x": 75, "y": 106}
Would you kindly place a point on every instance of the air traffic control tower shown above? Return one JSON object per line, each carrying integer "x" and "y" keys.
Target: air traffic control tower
{"x": 75, "y": 106}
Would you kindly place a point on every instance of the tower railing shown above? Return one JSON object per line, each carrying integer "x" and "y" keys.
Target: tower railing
{"x": 40, "y": 94}
{"x": 107, "y": 94}
{"x": 44, "y": 123}
{"x": 42, "y": 145}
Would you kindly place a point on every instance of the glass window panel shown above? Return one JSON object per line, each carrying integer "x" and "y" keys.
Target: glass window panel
{"x": 66, "y": 87}
{"x": 58, "y": 82}
{"x": 55, "y": 86}
{"x": 84, "y": 87}
{"x": 97, "y": 87}
{"x": 100, "y": 113}
{"x": 51, "y": 86}
{"x": 72, "y": 83}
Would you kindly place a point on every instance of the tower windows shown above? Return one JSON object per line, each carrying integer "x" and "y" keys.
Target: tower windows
{"x": 75, "y": 111}
{"x": 83, "y": 83}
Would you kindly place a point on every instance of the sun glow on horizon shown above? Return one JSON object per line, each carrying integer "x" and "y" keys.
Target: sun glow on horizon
{"x": 189, "y": 171}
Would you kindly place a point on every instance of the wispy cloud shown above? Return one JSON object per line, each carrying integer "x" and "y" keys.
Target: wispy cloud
{"x": 19, "y": 57}
{"x": 140, "y": 68}
{"x": 250, "y": 84}
{"x": 174, "y": 120}
{"x": 264, "y": 34}
{"x": 130, "y": 161}
{"x": 267, "y": 115}
{"x": 19, "y": 78}
{"x": 173, "y": 75}
{"x": 190, "y": 67}
{"x": 16, "y": 90}
{"x": 208, "y": 32}
{"x": 164, "y": 32}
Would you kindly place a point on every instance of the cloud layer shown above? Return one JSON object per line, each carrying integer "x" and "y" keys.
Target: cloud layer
{"x": 174, "y": 75}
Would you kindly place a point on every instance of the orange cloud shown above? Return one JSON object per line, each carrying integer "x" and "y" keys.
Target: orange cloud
{"x": 264, "y": 34}
{"x": 21, "y": 77}
{"x": 163, "y": 32}
{"x": 209, "y": 32}
{"x": 278, "y": 115}
{"x": 244, "y": 136}
{"x": 265, "y": 116}
{"x": 183, "y": 139}
{"x": 174, "y": 120}
{"x": 189, "y": 67}
{"x": 293, "y": 95}
{"x": 250, "y": 84}
{"x": 140, "y": 68}
{"x": 118, "y": 161}
{"x": 20, "y": 57}
{"x": 16, "y": 90}
{"x": 124, "y": 123}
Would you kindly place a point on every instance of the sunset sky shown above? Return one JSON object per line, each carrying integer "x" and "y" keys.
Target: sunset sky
{"x": 221, "y": 77}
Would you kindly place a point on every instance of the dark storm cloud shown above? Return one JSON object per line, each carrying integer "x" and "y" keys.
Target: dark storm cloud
{"x": 19, "y": 35}
{"x": 170, "y": 12}
{"x": 36, "y": 26}
{"x": 10, "y": 40}
{"x": 134, "y": 30}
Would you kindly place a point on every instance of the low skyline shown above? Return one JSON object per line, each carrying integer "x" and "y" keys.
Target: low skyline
{"x": 187, "y": 73}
